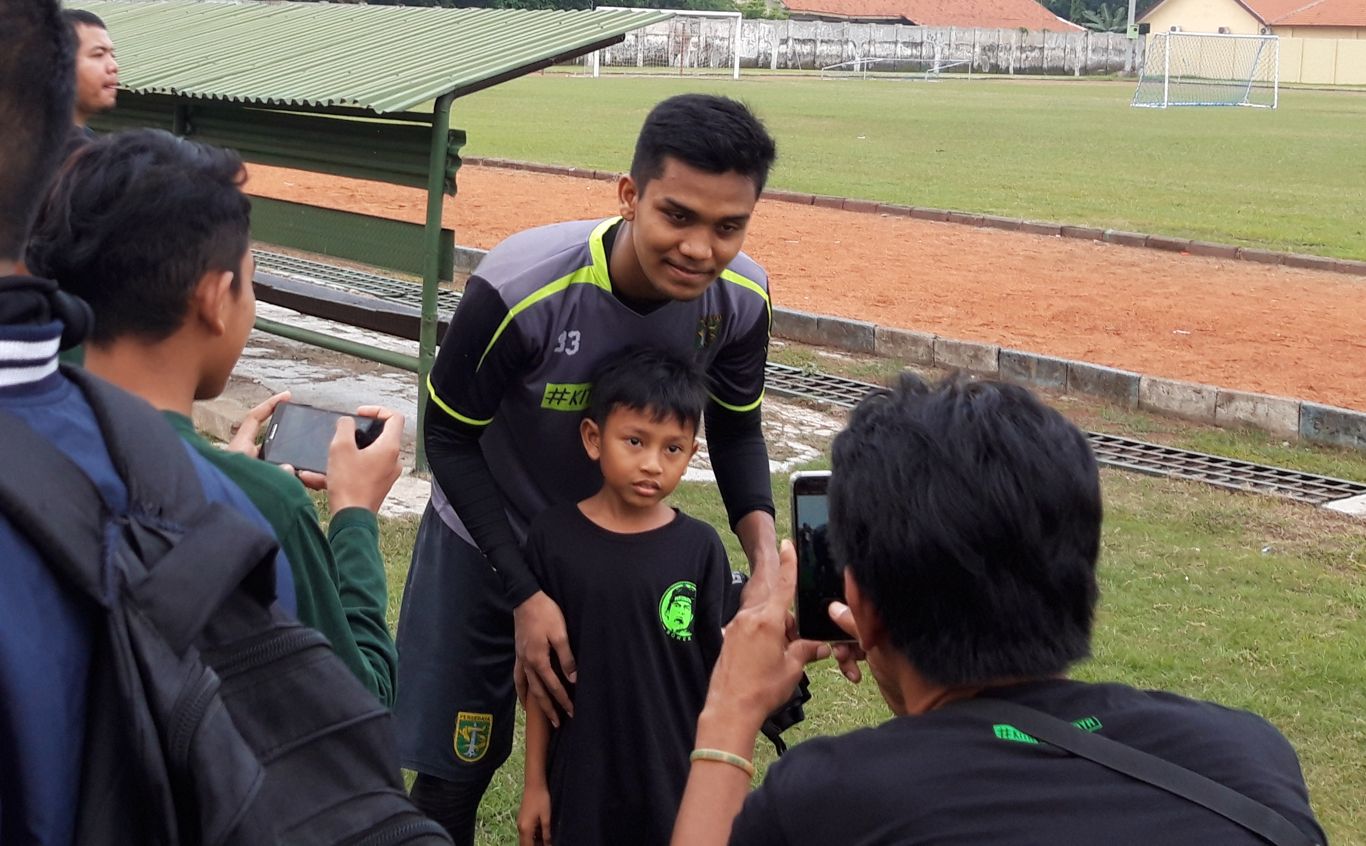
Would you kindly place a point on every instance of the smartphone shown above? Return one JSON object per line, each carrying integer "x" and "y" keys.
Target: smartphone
{"x": 299, "y": 435}
{"x": 819, "y": 581}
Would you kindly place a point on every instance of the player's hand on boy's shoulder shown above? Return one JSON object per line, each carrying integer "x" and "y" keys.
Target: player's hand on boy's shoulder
{"x": 533, "y": 818}
{"x": 540, "y": 628}
{"x": 363, "y": 477}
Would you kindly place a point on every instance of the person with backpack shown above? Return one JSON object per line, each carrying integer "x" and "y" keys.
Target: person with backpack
{"x": 153, "y": 231}
{"x": 152, "y": 689}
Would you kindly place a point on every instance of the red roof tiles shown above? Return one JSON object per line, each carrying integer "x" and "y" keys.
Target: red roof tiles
{"x": 988, "y": 14}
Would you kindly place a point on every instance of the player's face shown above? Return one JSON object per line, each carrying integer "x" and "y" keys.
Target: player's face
{"x": 686, "y": 226}
{"x": 642, "y": 460}
{"x": 97, "y": 72}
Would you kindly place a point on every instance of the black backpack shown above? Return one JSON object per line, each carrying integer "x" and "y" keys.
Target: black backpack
{"x": 213, "y": 718}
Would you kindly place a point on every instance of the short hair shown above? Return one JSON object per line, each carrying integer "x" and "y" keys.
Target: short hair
{"x": 133, "y": 223}
{"x": 652, "y": 381}
{"x": 80, "y": 17}
{"x": 710, "y": 133}
{"x": 37, "y": 84}
{"x": 969, "y": 514}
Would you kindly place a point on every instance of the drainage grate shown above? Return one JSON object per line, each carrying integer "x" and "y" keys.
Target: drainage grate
{"x": 354, "y": 281}
{"x": 1111, "y": 451}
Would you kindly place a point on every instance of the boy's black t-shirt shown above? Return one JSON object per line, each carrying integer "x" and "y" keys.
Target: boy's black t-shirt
{"x": 643, "y": 612}
{"x": 947, "y": 777}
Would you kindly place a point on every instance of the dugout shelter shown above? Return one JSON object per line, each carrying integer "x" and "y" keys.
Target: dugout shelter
{"x": 352, "y": 90}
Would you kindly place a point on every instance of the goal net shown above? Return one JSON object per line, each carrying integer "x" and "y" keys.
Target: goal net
{"x": 688, "y": 43}
{"x": 1209, "y": 69}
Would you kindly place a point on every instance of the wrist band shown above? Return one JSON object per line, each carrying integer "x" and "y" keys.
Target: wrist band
{"x": 723, "y": 757}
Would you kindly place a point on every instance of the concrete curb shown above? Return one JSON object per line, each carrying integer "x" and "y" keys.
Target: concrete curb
{"x": 1184, "y": 246}
{"x": 1225, "y": 407}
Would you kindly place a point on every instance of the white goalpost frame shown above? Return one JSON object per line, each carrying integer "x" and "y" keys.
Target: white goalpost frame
{"x": 684, "y": 13}
{"x": 1166, "y": 39}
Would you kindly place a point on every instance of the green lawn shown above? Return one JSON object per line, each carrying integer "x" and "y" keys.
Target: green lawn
{"x": 1073, "y": 152}
{"x": 1251, "y": 602}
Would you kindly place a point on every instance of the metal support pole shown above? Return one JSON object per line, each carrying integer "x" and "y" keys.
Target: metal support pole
{"x": 735, "y": 49}
{"x": 379, "y": 355}
{"x": 1167, "y": 71}
{"x": 180, "y": 120}
{"x": 431, "y": 262}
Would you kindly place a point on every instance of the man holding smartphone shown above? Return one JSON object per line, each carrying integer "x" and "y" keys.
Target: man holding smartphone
{"x": 153, "y": 232}
{"x": 542, "y": 311}
{"x": 967, "y": 519}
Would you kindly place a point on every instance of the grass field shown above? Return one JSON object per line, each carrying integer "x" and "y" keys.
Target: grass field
{"x": 1073, "y": 152}
{"x": 1251, "y": 602}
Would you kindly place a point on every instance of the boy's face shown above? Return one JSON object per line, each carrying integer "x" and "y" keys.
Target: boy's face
{"x": 686, "y": 226}
{"x": 97, "y": 72}
{"x": 642, "y": 460}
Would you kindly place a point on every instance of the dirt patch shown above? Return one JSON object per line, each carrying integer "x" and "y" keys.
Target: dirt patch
{"x": 1274, "y": 330}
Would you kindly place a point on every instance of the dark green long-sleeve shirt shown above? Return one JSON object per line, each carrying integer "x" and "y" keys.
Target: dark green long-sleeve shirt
{"x": 339, "y": 578}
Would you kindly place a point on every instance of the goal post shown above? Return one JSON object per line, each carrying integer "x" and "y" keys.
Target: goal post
{"x": 691, "y": 42}
{"x": 1209, "y": 69}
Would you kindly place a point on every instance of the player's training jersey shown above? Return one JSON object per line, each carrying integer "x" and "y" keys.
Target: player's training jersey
{"x": 537, "y": 318}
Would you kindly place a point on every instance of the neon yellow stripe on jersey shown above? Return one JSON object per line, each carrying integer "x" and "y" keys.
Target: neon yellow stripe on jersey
{"x": 738, "y": 409}
{"x": 599, "y": 252}
{"x": 745, "y": 282}
{"x": 431, "y": 392}
{"x": 582, "y": 276}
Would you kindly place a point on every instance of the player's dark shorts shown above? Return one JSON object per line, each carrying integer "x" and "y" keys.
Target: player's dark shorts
{"x": 455, "y": 703}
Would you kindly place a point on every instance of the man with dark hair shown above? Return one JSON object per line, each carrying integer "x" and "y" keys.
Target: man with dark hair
{"x": 47, "y": 627}
{"x": 542, "y": 311}
{"x": 97, "y": 73}
{"x": 153, "y": 232}
{"x": 967, "y": 519}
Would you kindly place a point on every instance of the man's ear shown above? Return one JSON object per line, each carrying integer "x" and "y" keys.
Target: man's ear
{"x": 627, "y": 196}
{"x": 212, "y": 300}
{"x": 592, "y": 438}
{"x": 871, "y": 630}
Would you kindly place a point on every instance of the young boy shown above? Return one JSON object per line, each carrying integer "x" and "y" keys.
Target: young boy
{"x": 641, "y": 585}
{"x": 153, "y": 232}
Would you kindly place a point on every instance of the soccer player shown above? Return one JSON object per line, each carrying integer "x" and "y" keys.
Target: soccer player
{"x": 540, "y": 314}
{"x": 642, "y": 587}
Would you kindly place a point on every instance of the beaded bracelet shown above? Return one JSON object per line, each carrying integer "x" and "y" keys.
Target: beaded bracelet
{"x": 724, "y": 757}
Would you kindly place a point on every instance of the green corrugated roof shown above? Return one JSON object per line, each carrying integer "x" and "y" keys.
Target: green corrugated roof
{"x": 382, "y": 58}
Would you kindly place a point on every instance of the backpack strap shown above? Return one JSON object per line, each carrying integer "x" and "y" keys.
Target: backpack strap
{"x": 1256, "y": 817}
{"x": 55, "y": 505}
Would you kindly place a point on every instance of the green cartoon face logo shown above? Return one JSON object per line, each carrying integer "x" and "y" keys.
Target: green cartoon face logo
{"x": 676, "y": 610}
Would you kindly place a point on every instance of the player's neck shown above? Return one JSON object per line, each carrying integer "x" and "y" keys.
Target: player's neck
{"x": 624, "y": 270}
{"x": 609, "y": 511}
{"x": 80, "y": 118}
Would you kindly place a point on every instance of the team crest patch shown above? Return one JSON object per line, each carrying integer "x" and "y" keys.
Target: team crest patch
{"x": 566, "y": 397}
{"x": 676, "y": 610}
{"x": 472, "y": 734}
{"x": 708, "y": 330}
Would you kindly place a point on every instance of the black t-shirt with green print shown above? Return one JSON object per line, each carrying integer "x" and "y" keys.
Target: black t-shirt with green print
{"x": 643, "y": 613}
{"x": 948, "y": 777}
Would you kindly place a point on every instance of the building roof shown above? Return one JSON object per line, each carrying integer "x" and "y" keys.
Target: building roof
{"x": 1299, "y": 12}
{"x": 380, "y": 58}
{"x": 987, "y": 14}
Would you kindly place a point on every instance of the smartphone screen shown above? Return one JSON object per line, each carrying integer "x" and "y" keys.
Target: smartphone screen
{"x": 819, "y": 581}
{"x": 300, "y": 435}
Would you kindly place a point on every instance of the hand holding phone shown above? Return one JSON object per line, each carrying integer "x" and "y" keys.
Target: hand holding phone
{"x": 819, "y": 580}
{"x": 362, "y": 477}
{"x": 301, "y": 435}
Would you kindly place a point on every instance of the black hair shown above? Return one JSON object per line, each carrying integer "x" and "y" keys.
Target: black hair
{"x": 652, "y": 381}
{"x": 135, "y": 221}
{"x": 80, "y": 17}
{"x": 37, "y": 84}
{"x": 969, "y": 514}
{"x": 713, "y": 134}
